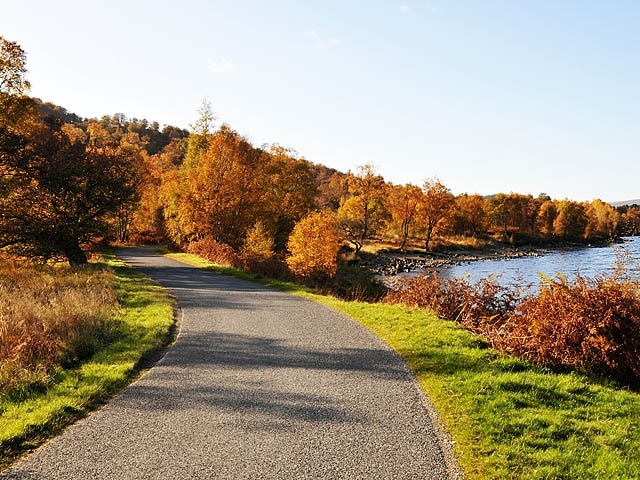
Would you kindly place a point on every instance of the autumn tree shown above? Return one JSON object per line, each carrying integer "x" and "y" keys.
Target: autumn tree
{"x": 363, "y": 210}
{"x": 148, "y": 219}
{"x": 469, "y": 215}
{"x": 403, "y": 202}
{"x": 220, "y": 196}
{"x": 15, "y": 107}
{"x": 290, "y": 192}
{"x": 258, "y": 243}
{"x": 546, "y": 217}
{"x": 202, "y": 131}
{"x": 55, "y": 194}
{"x": 514, "y": 212}
{"x": 602, "y": 221}
{"x": 498, "y": 212}
{"x": 629, "y": 223}
{"x": 435, "y": 208}
{"x": 13, "y": 69}
{"x": 524, "y": 212}
{"x": 313, "y": 246}
{"x": 331, "y": 185}
{"x": 571, "y": 221}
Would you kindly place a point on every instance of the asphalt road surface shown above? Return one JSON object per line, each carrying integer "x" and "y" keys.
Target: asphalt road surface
{"x": 260, "y": 384}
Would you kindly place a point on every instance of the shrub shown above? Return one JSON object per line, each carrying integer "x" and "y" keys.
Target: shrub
{"x": 355, "y": 283}
{"x": 591, "y": 325}
{"x": 313, "y": 246}
{"x": 587, "y": 325}
{"x": 258, "y": 242}
{"x": 216, "y": 252}
{"x": 472, "y": 305}
{"x": 270, "y": 267}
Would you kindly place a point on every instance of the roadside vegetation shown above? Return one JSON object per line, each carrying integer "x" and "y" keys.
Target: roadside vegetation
{"x": 70, "y": 338}
{"x": 587, "y": 325}
{"x": 507, "y": 417}
{"x": 68, "y": 181}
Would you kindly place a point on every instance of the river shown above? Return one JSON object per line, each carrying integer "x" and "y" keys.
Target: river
{"x": 588, "y": 262}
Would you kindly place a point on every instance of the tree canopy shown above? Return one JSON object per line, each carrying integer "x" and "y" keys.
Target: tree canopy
{"x": 56, "y": 189}
{"x": 13, "y": 68}
{"x": 56, "y": 194}
{"x": 65, "y": 180}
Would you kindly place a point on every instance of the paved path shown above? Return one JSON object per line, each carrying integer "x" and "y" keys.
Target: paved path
{"x": 260, "y": 384}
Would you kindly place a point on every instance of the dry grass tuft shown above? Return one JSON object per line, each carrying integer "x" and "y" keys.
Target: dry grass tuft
{"x": 51, "y": 317}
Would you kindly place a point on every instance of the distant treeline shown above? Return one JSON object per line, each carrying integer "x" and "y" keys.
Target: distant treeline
{"x": 212, "y": 182}
{"x": 65, "y": 180}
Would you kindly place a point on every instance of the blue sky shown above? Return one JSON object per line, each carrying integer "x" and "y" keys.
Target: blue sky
{"x": 489, "y": 96}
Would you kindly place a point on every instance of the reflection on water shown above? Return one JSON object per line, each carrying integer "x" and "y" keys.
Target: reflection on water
{"x": 589, "y": 262}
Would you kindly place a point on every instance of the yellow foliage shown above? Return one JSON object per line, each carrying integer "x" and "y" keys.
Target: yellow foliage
{"x": 313, "y": 246}
{"x": 258, "y": 242}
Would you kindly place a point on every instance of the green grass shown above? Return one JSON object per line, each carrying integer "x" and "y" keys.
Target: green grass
{"x": 199, "y": 262}
{"x": 508, "y": 418}
{"x": 147, "y": 318}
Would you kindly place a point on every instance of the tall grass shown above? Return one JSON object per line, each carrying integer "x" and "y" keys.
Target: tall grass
{"x": 51, "y": 317}
{"x": 112, "y": 314}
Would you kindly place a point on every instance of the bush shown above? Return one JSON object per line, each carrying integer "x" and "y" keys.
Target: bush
{"x": 590, "y": 325}
{"x": 258, "y": 242}
{"x": 472, "y": 305}
{"x": 313, "y": 247}
{"x": 587, "y": 325}
{"x": 355, "y": 283}
{"x": 216, "y": 252}
{"x": 270, "y": 267}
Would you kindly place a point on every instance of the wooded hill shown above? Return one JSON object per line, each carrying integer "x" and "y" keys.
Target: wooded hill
{"x": 66, "y": 180}
{"x": 212, "y": 182}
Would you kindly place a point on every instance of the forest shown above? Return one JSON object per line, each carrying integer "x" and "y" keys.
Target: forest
{"x": 67, "y": 183}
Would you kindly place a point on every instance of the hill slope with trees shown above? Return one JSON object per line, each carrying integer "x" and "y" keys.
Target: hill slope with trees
{"x": 68, "y": 181}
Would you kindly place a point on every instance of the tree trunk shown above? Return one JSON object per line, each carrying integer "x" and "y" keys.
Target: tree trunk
{"x": 405, "y": 234}
{"x": 74, "y": 253}
{"x": 426, "y": 243}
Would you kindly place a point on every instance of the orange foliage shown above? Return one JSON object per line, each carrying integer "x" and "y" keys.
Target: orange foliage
{"x": 313, "y": 246}
{"x": 216, "y": 252}
{"x": 588, "y": 325}
{"x": 472, "y": 305}
{"x": 435, "y": 208}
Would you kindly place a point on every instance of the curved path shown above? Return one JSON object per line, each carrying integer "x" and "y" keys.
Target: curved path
{"x": 259, "y": 384}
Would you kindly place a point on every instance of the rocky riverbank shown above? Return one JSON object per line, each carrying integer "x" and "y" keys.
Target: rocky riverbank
{"x": 388, "y": 264}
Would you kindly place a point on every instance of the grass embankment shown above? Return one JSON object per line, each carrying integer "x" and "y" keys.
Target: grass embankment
{"x": 49, "y": 397}
{"x": 508, "y": 418}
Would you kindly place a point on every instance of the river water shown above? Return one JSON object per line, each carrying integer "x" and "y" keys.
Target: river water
{"x": 588, "y": 262}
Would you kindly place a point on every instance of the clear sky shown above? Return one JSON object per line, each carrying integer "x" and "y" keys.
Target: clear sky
{"x": 488, "y": 96}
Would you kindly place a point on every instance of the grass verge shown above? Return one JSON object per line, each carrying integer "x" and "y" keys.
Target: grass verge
{"x": 146, "y": 322}
{"x": 508, "y": 418}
